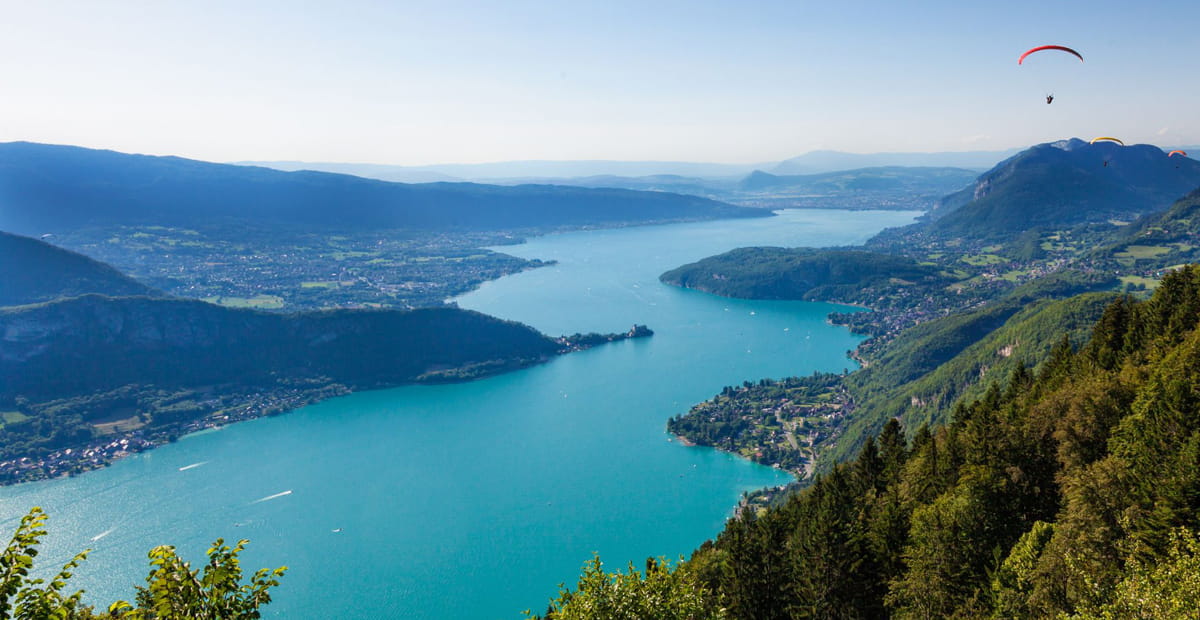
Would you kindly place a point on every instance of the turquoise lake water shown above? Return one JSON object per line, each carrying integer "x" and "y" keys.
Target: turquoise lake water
{"x": 475, "y": 500}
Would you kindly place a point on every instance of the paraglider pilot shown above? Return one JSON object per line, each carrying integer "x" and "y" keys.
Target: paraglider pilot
{"x": 1049, "y": 99}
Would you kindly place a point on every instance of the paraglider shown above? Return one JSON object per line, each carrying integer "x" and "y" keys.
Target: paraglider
{"x": 1106, "y": 139}
{"x": 1174, "y": 153}
{"x": 1050, "y": 47}
{"x": 1021, "y": 60}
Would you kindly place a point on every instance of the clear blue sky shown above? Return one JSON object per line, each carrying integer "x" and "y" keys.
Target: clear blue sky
{"x": 474, "y": 80}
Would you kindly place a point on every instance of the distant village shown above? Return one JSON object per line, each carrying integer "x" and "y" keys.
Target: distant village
{"x": 226, "y": 409}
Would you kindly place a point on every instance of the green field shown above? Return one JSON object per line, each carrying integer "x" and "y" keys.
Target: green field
{"x": 1143, "y": 251}
{"x": 983, "y": 260}
{"x": 342, "y": 255}
{"x": 1149, "y": 283}
{"x": 261, "y": 302}
{"x": 1014, "y": 275}
{"x": 12, "y": 417}
{"x": 1056, "y": 246}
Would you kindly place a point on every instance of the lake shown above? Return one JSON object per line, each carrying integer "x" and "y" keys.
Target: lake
{"x": 475, "y": 500}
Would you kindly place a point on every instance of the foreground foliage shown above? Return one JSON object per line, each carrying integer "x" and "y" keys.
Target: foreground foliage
{"x": 173, "y": 590}
{"x": 659, "y": 593}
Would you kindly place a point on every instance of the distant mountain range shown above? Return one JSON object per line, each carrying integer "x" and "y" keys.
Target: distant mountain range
{"x": 893, "y": 187}
{"x": 889, "y": 178}
{"x": 45, "y": 188}
{"x": 563, "y": 172}
{"x": 938, "y": 181}
{"x": 829, "y": 161}
{"x": 508, "y": 171}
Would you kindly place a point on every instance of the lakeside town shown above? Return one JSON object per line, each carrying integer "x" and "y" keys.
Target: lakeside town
{"x": 221, "y": 405}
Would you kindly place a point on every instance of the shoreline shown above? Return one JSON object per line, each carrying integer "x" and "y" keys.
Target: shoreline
{"x": 229, "y": 404}
{"x": 237, "y": 406}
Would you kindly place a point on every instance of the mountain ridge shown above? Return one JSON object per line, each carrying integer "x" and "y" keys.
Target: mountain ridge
{"x": 1061, "y": 184}
{"x": 48, "y": 188}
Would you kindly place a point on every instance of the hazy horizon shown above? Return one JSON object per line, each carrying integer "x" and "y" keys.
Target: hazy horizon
{"x": 422, "y": 83}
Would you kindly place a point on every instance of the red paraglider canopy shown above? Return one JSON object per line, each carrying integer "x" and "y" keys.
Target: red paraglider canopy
{"x": 1049, "y": 47}
{"x": 1176, "y": 153}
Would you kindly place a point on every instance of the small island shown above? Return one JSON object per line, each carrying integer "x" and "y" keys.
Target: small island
{"x": 579, "y": 342}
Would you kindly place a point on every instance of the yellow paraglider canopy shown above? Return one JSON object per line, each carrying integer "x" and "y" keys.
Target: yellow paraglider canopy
{"x": 1106, "y": 139}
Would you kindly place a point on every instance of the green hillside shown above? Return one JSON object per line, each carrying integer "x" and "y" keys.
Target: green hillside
{"x": 803, "y": 273}
{"x": 1159, "y": 240}
{"x": 85, "y": 371}
{"x": 806, "y": 424}
{"x": 1062, "y": 184}
{"x": 36, "y": 271}
{"x": 114, "y": 341}
{"x": 1024, "y": 339}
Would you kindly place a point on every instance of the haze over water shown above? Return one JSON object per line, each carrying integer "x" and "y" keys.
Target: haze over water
{"x": 474, "y": 500}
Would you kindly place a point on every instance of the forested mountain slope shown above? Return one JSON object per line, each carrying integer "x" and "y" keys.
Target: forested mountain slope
{"x": 804, "y": 273}
{"x": 1041, "y": 498}
{"x": 33, "y": 271}
{"x": 1070, "y": 492}
{"x": 108, "y": 342}
{"x": 1061, "y": 184}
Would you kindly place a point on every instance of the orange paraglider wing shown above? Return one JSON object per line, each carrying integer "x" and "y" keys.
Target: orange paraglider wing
{"x": 1174, "y": 153}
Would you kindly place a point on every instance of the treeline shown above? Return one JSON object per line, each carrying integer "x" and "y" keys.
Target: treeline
{"x": 1070, "y": 492}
